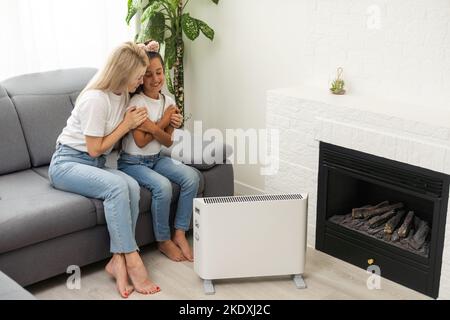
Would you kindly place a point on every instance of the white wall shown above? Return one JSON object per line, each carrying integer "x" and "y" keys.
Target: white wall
{"x": 397, "y": 49}
{"x": 45, "y": 35}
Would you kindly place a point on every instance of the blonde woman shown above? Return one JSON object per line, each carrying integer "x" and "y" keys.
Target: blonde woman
{"x": 99, "y": 120}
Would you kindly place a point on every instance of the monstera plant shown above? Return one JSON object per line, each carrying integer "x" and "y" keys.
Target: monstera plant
{"x": 165, "y": 21}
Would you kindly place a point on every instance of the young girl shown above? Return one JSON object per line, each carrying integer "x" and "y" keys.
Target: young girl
{"x": 141, "y": 159}
{"x": 99, "y": 120}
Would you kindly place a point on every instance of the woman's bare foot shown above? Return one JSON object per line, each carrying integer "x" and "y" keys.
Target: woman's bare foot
{"x": 116, "y": 267}
{"x": 171, "y": 250}
{"x": 138, "y": 274}
{"x": 180, "y": 240}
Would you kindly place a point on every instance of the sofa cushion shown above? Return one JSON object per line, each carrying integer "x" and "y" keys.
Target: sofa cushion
{"x": 32, "y": 211}
{"x": 73, "y": 97}
{"x": 146, "y": 196}
{"x": 13, "y": 149}
{"x": 45, "y": 98}
{"x": 56, "y": 82}
{"x": 43, "y": 118}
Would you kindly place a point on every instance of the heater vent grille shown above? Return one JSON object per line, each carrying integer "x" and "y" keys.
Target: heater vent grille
{"x": 261, "y": 198}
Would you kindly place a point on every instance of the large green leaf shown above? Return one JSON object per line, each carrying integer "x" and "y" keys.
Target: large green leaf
{"x": 169, "y": 79}
{"x": 144, "y": 35}
{"x": 206, "y": 30}
{"x": 173, "y": 4}
{"x": 157, "y": 27}
{"x": 150, "y": 11}
{"x": 133, "y": 7}
{"x": 190, "y": 26}
{"x": 170, "y": 52}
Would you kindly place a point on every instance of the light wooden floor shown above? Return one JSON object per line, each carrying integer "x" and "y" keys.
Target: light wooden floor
{"x": 326, "y": 277}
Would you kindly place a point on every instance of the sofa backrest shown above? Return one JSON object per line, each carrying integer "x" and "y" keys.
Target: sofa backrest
{"x": 13, "y": 149}
{"x": 44, "y": 102}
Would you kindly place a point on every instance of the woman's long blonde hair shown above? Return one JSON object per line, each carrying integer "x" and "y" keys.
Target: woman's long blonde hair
{"x": 122, "y": 67}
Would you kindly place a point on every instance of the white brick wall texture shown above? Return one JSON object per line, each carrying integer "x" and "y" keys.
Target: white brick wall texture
{"x": 303, "y": 122}
{"x": 400, "y": 49}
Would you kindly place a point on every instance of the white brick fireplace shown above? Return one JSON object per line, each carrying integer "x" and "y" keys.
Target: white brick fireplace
{"x": 305, "y": 116}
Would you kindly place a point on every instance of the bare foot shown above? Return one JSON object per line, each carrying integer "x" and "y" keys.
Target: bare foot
{"x": 171, "y": 250}
{"x": 180, "y": 240}
{"x": 116, "y": 267}
{"x": 138, "y": 274}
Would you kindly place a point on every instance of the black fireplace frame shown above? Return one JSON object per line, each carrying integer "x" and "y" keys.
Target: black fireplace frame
{"x": 416, "y": 272}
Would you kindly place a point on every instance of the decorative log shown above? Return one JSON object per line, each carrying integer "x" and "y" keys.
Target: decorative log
{"x": 403, "y": 231}
{"x": 393, "y": 222}
{"x": 375, "y": 231}
{"x": 420, "y": 236}
{"x": 417, "y": 222}
{"x": 379, "y": 220}
{"x": 358, "y": 213}
{"x": 368, "y": 215}
{"x": 395, "y": 237}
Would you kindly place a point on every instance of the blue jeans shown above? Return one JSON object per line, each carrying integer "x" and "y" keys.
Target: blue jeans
{"x": 156, "y": 173}
{"x": 77, "y": 172}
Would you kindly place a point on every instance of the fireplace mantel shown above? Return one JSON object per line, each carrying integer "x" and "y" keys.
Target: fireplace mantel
{"x": 406, "y": 133}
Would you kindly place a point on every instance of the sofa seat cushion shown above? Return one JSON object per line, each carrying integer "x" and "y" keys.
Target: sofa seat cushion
{"x": 146, "y": 196}
{"x": 32, "y": 211}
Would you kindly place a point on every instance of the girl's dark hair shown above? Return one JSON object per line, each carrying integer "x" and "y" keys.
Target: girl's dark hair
{"x": 151, "y": 55}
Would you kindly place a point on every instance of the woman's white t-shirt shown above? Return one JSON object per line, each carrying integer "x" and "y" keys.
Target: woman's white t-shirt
{"x": 155, "y": 110}
{"x": 96, "y": 113}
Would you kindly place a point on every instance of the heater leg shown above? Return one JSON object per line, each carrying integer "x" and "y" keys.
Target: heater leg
{"x": 208, "y": 286}
{"x": 299, "y": 281}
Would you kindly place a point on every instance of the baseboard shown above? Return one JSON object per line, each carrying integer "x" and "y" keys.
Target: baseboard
{"x": 241, "y": 188}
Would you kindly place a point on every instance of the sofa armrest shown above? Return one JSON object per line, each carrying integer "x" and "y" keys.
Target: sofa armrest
{"x": 11, "y": 290}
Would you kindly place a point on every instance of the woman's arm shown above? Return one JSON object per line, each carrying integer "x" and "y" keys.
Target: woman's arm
{"x": 97, "y": 146}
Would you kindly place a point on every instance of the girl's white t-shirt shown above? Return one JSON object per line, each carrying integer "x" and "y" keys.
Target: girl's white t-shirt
{"x": 155, "y": 110}
{"x": 96, "y": 113}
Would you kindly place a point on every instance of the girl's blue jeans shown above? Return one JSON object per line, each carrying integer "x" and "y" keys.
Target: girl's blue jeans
{"x": 75, "y": 171}
{"x": 156, "y": 173}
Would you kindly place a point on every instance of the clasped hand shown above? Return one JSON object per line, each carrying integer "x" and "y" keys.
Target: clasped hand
{"x": 174, "y": 115}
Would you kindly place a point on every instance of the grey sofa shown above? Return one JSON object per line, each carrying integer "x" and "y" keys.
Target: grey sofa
{"x": 43, "y": 230}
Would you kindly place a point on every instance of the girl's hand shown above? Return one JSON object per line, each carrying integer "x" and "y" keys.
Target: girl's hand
{"x": 170, "y": 111}
{"x": 134, "y": 117}
{"x": 176, "y": 120}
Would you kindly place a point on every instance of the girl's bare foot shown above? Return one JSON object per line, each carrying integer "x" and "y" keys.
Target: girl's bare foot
{"x": 116, "y": 267}
{"x": 180, "y": 240}
{"x": 138, "y": 274}
{"x": 171, "y": 250}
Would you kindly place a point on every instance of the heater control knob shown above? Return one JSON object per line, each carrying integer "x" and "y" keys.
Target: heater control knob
{"x": 197, "y": 237}
{"x": 197, "y": 224}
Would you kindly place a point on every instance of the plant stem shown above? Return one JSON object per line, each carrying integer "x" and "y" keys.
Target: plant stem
{"x": 178, "y": 71}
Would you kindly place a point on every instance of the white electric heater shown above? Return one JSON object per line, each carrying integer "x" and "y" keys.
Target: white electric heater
{"x": 250, "y": 236}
